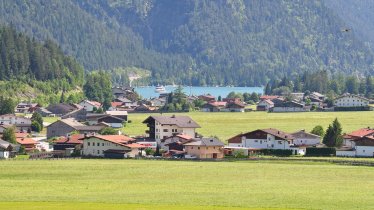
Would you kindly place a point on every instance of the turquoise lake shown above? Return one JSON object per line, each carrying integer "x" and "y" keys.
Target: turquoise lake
{"x": 149, "y": 92}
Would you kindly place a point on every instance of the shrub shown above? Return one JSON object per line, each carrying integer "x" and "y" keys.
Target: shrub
{"x": 324, "y": 151}
{"x": 239, "y": 154}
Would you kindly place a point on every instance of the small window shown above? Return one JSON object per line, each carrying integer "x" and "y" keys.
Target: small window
{"x": 88, "y": 143}
{"x": 98, "y": 151}
{"x": 102, "y": 144}
{"x": 93, "y": 143}
{"x": 279, "y": 142}
{"x": 198, "y": 147}
{"x": 256, "y": 140}
{"x": 166, "y": 130}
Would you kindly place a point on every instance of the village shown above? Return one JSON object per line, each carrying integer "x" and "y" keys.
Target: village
{"x": 86, "y": 130}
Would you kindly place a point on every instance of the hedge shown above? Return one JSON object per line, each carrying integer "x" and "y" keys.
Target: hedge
{"x": 324, "y": 151}
{"x": 358, "y": 108}
{"x": 277, "y": 152}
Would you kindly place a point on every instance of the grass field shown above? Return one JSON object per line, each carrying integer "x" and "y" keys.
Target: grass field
{"x": 225, "y": 125}
{"x": 147, "y": 184}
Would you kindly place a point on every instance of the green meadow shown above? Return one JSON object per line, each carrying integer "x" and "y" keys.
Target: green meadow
{"x": 155, "y": 184}
{"x": 225, "y": 125}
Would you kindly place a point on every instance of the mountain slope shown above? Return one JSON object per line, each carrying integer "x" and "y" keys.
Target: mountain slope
{"x": 199, "y": 42}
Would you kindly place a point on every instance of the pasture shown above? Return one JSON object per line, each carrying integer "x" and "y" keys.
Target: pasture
{"x": 156, "y": 184}
{"x": 225, "y": 125}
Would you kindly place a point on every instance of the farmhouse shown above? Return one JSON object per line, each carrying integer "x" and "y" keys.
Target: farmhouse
{"x": 120, "y": 114}
{"x": 78, "y": 114}
{"x": 289, "y": 106}
{"x": 89, "y": 106}
{"x": 70, "y": 141}
{"x": 175, "y": 142}
{"x": 26, "y": 107}
{"x": 263, "y": 139}
{"x": 214, "y": 106}
{"x": 363, "y": 147}
{"x": 59, "y": 109}
{"x": 21, "y": 123}
{"x": 235, "y": 107}
{"x": 348, "y": 139}
{"x": 205, "y": 148}
{"x": 111, "y": 146}
{"x": 5, "y": 149}
{"x": 348, "y": 100}
{"x": 65, "y": 126}
{"x": 302, "y": 138}
{"x": 264, "y": 105}
{"x": 28, "y": 143}
{"x": 161, "y": 127}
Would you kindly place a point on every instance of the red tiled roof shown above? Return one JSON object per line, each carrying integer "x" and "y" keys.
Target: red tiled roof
{"x": 21, "y": 135}
{"x": 184, "y": 136}
{"x": 218, "y": 103}
{"x": 359, "y": 133}
{"x": 135, "y": 145}
{"x": 23, "y": 141}
{"x": 118, "y": 139}
{"x": 73, "y": 139}
{"x": 266, "y": 97}
{"x": 116, "y": 104}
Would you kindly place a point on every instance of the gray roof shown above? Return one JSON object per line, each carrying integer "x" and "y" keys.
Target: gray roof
{"x": 303, "y": 134}
{"x": 4, "y": 144}
{"x": 89, "y": 128}
{"x": 180, "y": 121}
{"x": 205, "y": 142}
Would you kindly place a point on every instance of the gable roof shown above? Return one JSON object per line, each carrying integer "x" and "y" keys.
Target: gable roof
{"x": 269, "y": 97}
{"x": 116, "y": 139}
{"x": 117, "y": 113}
{"x": 351, "y": 95}
{"x": 205, "y": 142}
{"x": 93, "y": 103}
{"x": 278, "y": 133}
{"x": 4, "y": 144}
{"x": 180, "y": 121}
{"x": 303, "y": 134}
{"x": 72, "y": 139}
{"x": 359, "y": 133}
{"x": 61, "y": 108}
{"x": 24, "y": 141}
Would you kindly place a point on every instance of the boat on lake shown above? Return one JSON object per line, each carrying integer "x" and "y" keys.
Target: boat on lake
{"x": 160, "y": 89}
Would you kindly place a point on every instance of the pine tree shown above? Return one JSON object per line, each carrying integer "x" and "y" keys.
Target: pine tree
{"x": 9, "y": 135}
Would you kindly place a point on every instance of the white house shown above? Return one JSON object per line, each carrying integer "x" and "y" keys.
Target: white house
{"x": 262, "y": 139}
{"x": 161, "y": 127}
{"x": 348, "y": 100}
{"x": 265, "y": 105}
{"x": 5, "y": 149}
{"x": 302, "y": 138}
{"x": 349, "y": 139}
{"x": 89, "y": 105}
{"x": 98, "y": 145}
{"x": 364, "y": 147}
{"x": 22, "y": 123}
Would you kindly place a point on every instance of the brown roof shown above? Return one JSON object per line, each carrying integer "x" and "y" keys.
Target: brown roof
{"x": 180, "y": 121}
{"x": 278, "y": 133}
{"x": 72, "y": 139}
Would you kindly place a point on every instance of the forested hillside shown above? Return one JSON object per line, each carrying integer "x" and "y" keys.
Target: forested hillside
{"x": 358, "y": 16}
{"x": 198, "y": 42}
{"x": 28, "y": 67}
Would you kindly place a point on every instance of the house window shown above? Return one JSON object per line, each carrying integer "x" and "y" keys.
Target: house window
{"x": 88, "y": 143}
{"x": 198, "y": 147}
{"x": 93, "y": 143}
{"x": 102, "y": 144}
{"x": 279, "y": 142}
{"x": 166, "y": 130}
{"x": 256, "y": 140}
{"x": 98, "y": 151}
{"x": 98, "y": 144}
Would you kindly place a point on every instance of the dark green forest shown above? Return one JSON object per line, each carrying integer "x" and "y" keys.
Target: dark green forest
{"x": 30, "y": 69}
{"x": 198, "y": 42}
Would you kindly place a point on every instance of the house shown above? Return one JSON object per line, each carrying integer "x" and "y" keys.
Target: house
{"x": 28, "y": 143}
{"x": 204, "y": 148}
{"x": 114, "y": 122}
{"x": 265, "y": 105}
{"x": 90, "y": 106}
{"x": 317, "y": 95}
{"x": 262, "y": 139}
{"x": 363, "y": 147}
{"x": 348, "y": 139}
{"x": 297, "y": 96}
{"x": 60, "y": 109}
{"x": 302, "y": 138}
{"x": 26, "y": 107}
{"x": 120, "y": 114}
{"x": 158, "y": 102}
{"x": 349, "y": 100}
{"x": 21, "y": 123}
{"x": 144, "y": 108}
{"x": 5, "y": 149}
{"x": 71, "y": 141}
{"x": 235, "y": 107}
{"x": 289, "y": 106}
{"x": 207, "y": 98}
{"x": 175, "y": 142}
{"x": 111, "y": 146}
{"x": 44, "y": 112}
{"x": 214, "y": 106}
{"x": 78, "y": 114}
{"x": 161, "y": 127}
{"x": 65, "y": 126}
